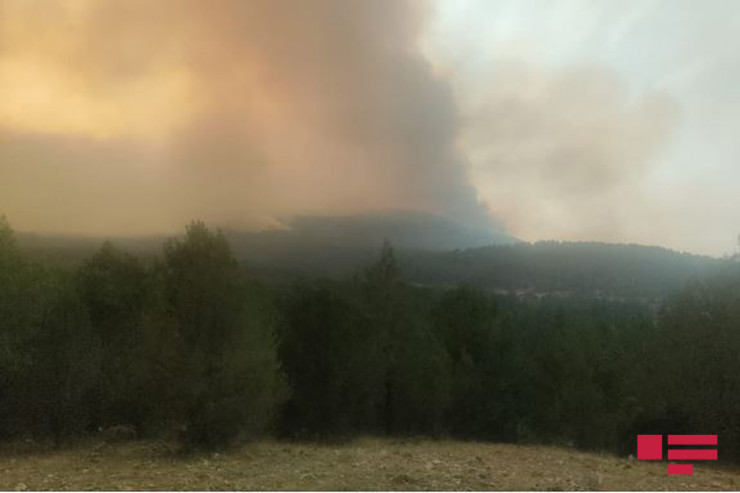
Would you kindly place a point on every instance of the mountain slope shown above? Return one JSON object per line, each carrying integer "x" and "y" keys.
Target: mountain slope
{"x": 431, "y": 251}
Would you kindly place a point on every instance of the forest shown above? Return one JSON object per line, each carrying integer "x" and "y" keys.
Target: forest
{"x": 190, "y": 345}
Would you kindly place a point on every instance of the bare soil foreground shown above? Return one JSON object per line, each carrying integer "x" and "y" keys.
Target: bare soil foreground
{"x": 369, "y": 464}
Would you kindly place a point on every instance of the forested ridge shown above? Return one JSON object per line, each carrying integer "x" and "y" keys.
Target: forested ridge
{"x": 191, "y": 345}
{"x": 430, "y": 251}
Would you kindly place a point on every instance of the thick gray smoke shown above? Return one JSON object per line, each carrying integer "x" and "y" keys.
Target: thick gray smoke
{"x": 134, "y": 117}
{"x": 562, "y": 153}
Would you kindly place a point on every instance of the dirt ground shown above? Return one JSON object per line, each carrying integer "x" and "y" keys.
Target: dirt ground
{"x": 367, "y": 464}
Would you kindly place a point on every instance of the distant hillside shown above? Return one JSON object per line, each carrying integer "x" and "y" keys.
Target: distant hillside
{"x": 567, "y": 268}
{"x": 431, "y": 251}
{"x": 339, "y": 246}
{"x": 71, "y": 250}
{"x": 333, "y": 243}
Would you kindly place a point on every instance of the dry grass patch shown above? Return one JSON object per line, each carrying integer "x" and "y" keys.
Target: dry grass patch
{"x": 367, "y": 464}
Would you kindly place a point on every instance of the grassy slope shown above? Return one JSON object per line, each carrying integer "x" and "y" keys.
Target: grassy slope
{"x": 363, "y": 465}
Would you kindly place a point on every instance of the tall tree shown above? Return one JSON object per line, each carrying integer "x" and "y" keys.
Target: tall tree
{"x": 233, "y": 377}
{"x": 114, "y": 288}
{"x": 412, "y": 364}
{"x": 465, "y": 320}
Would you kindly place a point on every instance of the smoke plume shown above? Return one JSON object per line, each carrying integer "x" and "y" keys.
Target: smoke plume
{"x": 134, "y": 117}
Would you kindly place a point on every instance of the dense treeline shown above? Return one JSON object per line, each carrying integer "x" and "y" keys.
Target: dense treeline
{"x": 190, "y": 346}
{"x": 186, "y": 345}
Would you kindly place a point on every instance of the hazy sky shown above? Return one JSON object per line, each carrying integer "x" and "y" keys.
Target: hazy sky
{"x": 582, "y": 120}
{"x": 598, "y": 119}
